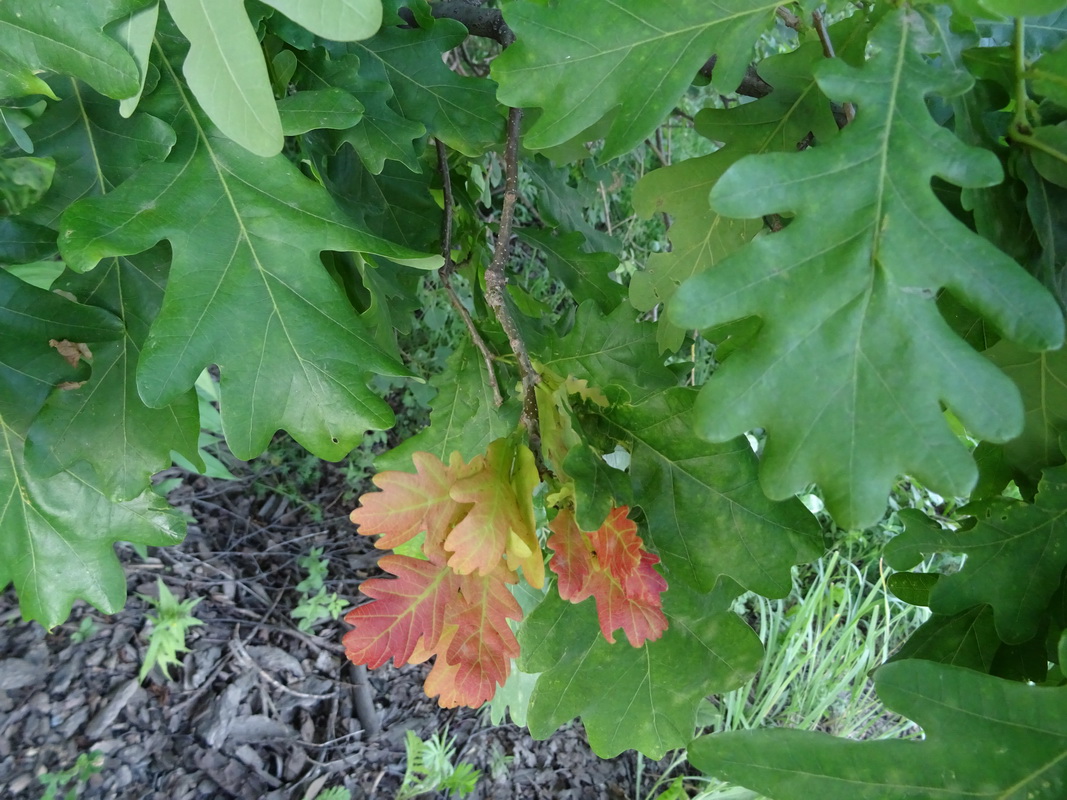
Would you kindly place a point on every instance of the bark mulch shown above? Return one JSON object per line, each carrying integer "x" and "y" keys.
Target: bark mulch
{"x": 259, "y": 709}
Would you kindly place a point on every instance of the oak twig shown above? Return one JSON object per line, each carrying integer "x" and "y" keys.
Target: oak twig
{"x": 495, "y": 289}
{"x": 445, "y": 274}
{"x": 819, "y": 23}
{"x": 487, "y": 23}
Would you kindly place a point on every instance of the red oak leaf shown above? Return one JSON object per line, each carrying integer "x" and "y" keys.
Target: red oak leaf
{"x": 611, "y": 565}
{"x": 410, "y": 504}
{"x": 572, "y": 558}
{"x": 496, "y": 522}
{"x": 407, "y": 613}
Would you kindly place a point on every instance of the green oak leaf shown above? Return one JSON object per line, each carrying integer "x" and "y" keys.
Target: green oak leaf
{"x": 394, "y": 203}
{"x": 137, "y": 32}
{"x": 19, "y": 80}
{"x": 22, "y": 242}
{"x": 246, "y": 233}
{"x": 340, "y": 20}
{"x": 563, "y": 206}
{"x": 331, "y": 108}
{"x": 59, "y": 532}
{"x": 59, "y": 536}
{"x": 105, "y": 422}
{"x": 1049, "y": 75}
{"x": 381, "y": 133}
{"x": 67, "y": 37}
{"x": 95, "y": 149}
{"x": 1046, "y": 205}
{"x": 1049, "y": 152}
{"x": 23, "y": 180}
{"x": 1042, "y": 381}
{"x": 460, "y": 111}
{"x": 598, "y": 487}
{"x": 641, "y": 698}
{"x": 581, "y": 61}
{"x": 1015, "y": 556}
{"x": 853, "y": 361}
{"x": 226, "y": 72}
{"x": 610, "y": 350}
{"x": 967, "y": 639}
{"x": 700, "y": 238}
{"x": 985, "y": 738}
{"x": 30, "y": 365}
{"x": 706, "y": 513}
{"x": 586, "y": 275}
{"x": 463, "y": 417}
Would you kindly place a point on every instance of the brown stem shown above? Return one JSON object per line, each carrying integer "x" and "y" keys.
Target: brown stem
{"x": 445, "y": 273}
{"x": 848, "y": 109}
{"x": 496, "y": 287}
{"x": 485, "y": 22}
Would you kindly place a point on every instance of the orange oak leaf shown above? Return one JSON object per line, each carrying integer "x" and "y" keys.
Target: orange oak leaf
{"x": 474, "y": 656}
{"x": 407, "y": 613}
{"x": 611, "y": 565}
{"x": 410, "y": 504}
{"x": 496, "y": 523}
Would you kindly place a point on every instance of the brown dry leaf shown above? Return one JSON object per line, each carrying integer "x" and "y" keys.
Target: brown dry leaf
{"x": 73, "y": 352}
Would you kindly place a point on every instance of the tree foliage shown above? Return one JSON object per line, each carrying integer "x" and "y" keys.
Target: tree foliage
{"x": 865, "y": 279}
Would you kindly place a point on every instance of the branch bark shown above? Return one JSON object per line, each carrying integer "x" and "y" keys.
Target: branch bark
{"x": 496, "y": 287}
{"x": 487, "y": 23}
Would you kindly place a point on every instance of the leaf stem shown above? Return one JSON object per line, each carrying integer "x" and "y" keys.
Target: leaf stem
{"x": 495, "y": 289}
{"x": 445, "y": 273}
{"x": 1021, "y": 123}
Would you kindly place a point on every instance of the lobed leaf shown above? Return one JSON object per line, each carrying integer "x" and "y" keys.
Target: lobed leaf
{"x": 582, "y": 61}
{"x": 246, "y": 233}
{"x": 66, "y": 36}
{"x": 1016, "y": 555}
{"x": 985, "y": 737}
{"x": 49, "y": 550}
{"x": 863, "y": 358}
{"x": 707, "y": 515}
{"x": 635, "y": 698}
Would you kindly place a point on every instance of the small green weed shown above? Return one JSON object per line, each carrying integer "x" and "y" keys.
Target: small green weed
{"x": 316, "y": 605}
{"x": 86, "y": 629}
{"x": 87, "y": 765}
{"x": 430, "y": 768}
{"x": 168, "y": 630}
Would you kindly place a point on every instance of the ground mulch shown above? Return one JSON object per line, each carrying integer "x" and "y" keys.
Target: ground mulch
{"x": 259, "y": 708}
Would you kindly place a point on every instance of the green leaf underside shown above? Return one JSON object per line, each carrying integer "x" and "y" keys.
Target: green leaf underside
{"x": 1015, "y": 558}
{"x": 985, "y": 738}
{"x": 642, "y": 698}
{"x": 578, "y": 68}
{"x": 340, "y": 20}
{"x": 864, "y": 358}
{"x": 226, "y": 72}
{"x": 246, "y": 233}
{"x": 66, "y": 36}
